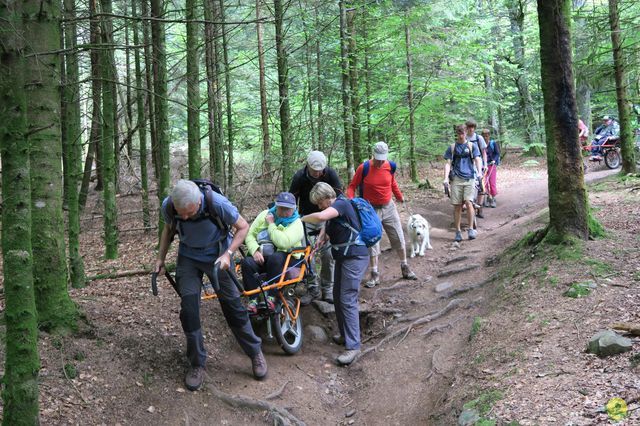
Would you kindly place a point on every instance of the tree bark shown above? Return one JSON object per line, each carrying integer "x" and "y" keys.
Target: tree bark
{"x": 72, "y": 148}
{"x": 96, "y": 98}
{"x": 626, "y": 135}
{"x": 412, "y": 131}
{"x": 109, "y": 109}
{"x": 283, "y": 92}
{"x": 568, "y": 203}
{"x": 367, "y": 79}
{"x": 141, "y": 95}
{"x": 128, "y": 107}
{"x": 529, "y": 122}
{"x": 151, "y": 103}
{"x": 321, "y": 129}
{"x": 193, "y": 92}
{"x": 347, "y": 118}
{"x": 161, "y": 104}
{"x": 227, "y": 86}
{"x": 216, "y": 163}
{"x": 56, "y": 310}
{"x": 264, "y": 114}
{"x": 358, "y": 155}
{"x": 22, "y": 363}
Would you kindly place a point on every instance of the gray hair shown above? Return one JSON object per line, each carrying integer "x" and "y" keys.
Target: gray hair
{"x": 321, "y": 191}
{"x": 185, "y": 193}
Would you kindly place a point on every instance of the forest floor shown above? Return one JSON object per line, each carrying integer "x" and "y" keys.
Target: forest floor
{"x": 497, "y": 337}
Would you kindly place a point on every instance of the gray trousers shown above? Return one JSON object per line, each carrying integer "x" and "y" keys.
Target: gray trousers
{"x": 189, "y": 278}
{"x": 324, "y": 280}
{"x": 349, "y": 273}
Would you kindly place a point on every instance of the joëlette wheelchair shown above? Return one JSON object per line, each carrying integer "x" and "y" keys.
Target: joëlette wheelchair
{"x": 282, "y": 319}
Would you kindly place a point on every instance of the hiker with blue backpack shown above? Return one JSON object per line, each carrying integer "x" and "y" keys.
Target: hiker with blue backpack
{"x": 202, "y": 218}
{"x": 491, "y": 176}
{"x": 463, "y": 165}
{"x": 343, "y": 230}
{"x": 376, "y": 182}
{"x": 481, "y": 143}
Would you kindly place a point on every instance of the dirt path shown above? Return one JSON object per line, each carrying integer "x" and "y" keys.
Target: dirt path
{"x": 130, "y": 365}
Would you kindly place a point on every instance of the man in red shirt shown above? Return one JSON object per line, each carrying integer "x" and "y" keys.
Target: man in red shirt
{"x": 377, "y": 187}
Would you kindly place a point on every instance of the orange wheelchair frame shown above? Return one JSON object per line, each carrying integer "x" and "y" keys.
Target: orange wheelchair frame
{"x": 284, "y": 318}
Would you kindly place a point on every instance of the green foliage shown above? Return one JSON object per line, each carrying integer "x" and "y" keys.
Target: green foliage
{"x": 596, "y": 230}
{"x": 79, "y": 356}
{"x": 70, "y": 371}
{"x": 634, "y": 360}
{"x": 476, "y": 326}
{"x": 577, "y": 290}
{"x": 485, "y": 401}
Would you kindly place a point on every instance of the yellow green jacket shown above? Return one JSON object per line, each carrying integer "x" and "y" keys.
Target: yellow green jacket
{"x": 283, "y": 238}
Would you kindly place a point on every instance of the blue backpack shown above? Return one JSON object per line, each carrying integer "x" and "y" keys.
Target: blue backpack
{"x": 370, "y": 226}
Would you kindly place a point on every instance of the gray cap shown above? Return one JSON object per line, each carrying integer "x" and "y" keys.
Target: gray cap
{"x": 316, "y": 160}
{"x": 286, "y": 199}
{"x": 380, "y": 151}
{"x": 606, "y": 118}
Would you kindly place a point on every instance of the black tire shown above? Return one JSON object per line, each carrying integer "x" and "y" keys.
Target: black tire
{"x": 287, "y": 331}
{"x": 612, "y": 158}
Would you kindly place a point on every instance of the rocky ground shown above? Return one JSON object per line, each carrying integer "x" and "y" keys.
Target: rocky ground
{"x": 480, "y": 329}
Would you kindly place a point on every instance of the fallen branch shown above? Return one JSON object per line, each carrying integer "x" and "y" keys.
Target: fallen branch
{"x": 456, "y": 259}
{"x": 633, "y": 329}
{"x": 239, "y": 401}
{"x": 130, "y": 273}
{"x": 405, "y": 330}
{"x": 464, "y": 289}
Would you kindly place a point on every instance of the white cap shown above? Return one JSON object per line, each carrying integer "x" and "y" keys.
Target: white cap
{"x": 316, "y": 161}
{"x": 380, "y": 151}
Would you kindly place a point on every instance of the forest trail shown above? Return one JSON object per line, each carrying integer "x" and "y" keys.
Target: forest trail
{"x": 130, "y": 365}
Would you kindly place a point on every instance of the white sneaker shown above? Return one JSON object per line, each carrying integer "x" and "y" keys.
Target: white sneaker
{"x": 348, "y": 356}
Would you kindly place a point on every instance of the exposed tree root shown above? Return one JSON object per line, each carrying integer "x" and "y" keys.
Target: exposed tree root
{"x": 280, "y": 415}
{"x": 457, "y": 259}
{"x": 405, "y": 330}
{"x": 468, "y": 287}
{"x": 465, "y": 268}
{"x": 277, "y": 393}
{"x": 401, "y": 284}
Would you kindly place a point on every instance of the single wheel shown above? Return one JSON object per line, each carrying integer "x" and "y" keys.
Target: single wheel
{"x": 288, "y": 331}
{"x": 612, "y": 158}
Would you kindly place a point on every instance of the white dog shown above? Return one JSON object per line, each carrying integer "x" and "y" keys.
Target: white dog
{"x": 418, "y": 229}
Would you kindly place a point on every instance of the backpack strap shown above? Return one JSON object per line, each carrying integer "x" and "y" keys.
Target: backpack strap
{"x": 365, "y": 171}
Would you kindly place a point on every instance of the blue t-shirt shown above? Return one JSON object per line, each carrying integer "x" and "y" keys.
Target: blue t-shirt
{"x": 462, "y": 166}
{"x": 493, "y": 152}
{"x": 199, "y": 237}
{"x": 339, "y": 234}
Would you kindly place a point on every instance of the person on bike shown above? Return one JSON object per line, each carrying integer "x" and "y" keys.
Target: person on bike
{"x": 202, "y": 244}
{"x": 316, "y": 170}
{"x": 351, "y": 257}
{"x": 481, "y": 143}
{"x": 609, "y": 129}
{"x": 377, "y": 183}
{"x": 463, "y": 163}
{"x": 272, "y": 234}
{"x": 491, "y": 175}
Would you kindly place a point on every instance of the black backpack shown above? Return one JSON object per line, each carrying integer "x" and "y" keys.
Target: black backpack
{"x": 207, "y": 188}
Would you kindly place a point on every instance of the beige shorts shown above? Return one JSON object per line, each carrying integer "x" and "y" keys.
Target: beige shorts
{"x": 390, "y": 219}
{"x": 461, "y": 190}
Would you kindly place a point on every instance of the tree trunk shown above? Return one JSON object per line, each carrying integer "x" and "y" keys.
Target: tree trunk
{"x": 22, "y": 364}
{"x": 283, "y": 92}
{"x": 108, "y": 136}
{"x": 151, "y": 103}
{"x": 193, "y": 92}
{"x": 347, "y": 118}
{"x": 626, "y": 135}
{"x": 367, "y": 80}
{"x": 264, "y": 114}
{"x": 568, "y": 203}
{"x": 56, "y": 310}
{"x": 227, "y": 84}
{"x": 141, "y": 95}
{"x": 160, "y": 91}
{"x": 583, "y": 83}
{"x": 321, "y": 129}
{"x": 71, "y": 99}
{"x": 358, "y": 155}
{"x": 309, "y": 81}
{"x": 529, "y": 122}
{"x": 128, "y": 105}
{"x": 216, "y": 163}
{"x": 412, "y": 131}
{"x": 96, "y": 99}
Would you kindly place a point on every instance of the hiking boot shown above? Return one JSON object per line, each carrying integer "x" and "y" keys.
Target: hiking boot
{"x": 348, "y": 356}
{"x": 486, "y": 202}
{"x": 259, "y": 366}
{"x": 472, "y": 234}
{"x": 458, "y": 237}
{"x": 338, "y": 339}
{"x": 407, "y": 273}
{"x": 312, "y": 294}
{"x": 194, "y": 378}
{"x": 328, "y": 297}
{"x": 374, "y": 281}
{"x": 493, "y": 203}
{"x": 479, "y": 215}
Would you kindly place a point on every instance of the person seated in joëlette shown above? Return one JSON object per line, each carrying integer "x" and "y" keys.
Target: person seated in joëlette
{"x": 272, "y": 234}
